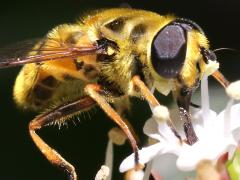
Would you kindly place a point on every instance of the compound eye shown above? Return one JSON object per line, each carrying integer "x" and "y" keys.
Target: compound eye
{"x": 169, "y": 51}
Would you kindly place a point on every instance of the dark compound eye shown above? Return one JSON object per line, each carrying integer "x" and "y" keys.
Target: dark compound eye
{"x": 169, "y": 51}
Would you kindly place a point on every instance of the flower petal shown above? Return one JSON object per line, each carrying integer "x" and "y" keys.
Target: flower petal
{"x": 165, "y": 165}
{"x": 235, "y": 115}
{"x": 209, "y": 148}
{"x": 200, "y": 124}
{"x": 145, "y": 155}
{"x": 233, "y": 90}
{"x": 151, "y": 129}
{"x": 234, "y": 120}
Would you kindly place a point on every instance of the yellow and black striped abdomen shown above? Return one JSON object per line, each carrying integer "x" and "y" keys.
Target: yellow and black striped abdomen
{"x": 39, "y": 86}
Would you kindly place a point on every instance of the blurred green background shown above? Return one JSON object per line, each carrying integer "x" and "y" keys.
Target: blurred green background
{"x": 84, "y": 144}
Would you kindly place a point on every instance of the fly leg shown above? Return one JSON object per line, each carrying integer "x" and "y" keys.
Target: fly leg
{"x": 94, "y": 91}
{"x": 58, "y": 114}
{"x": 148, "y": 95}
{"x": 183, "y": 101}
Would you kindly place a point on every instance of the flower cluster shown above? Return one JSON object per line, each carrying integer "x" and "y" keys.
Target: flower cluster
{"x": 217, "y": 133}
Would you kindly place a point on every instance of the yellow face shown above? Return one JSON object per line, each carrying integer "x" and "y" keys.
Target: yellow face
{"x": 179, "y": 56}
{"x": 176, "y": 58}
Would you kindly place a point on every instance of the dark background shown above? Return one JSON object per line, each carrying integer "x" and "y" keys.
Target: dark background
{"x": 84, "y": 144}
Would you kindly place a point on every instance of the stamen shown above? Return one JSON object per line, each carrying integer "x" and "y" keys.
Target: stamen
{"x": 227, "y": 118}
{"x": 103, "y": 173}
{"x": 134, "y": 175}
{"x": 161, "y": 113}
{"x": 206, "y": 170}
{"x": 211, "y": 67}
{"x": 220, "y": 78}
{"x": 205, "y": 101}
{"x": 233, "y": 90}
{"x": 109, "y": 159}
{"x": 117, "y": 136}
{"x": 148, "y": 170}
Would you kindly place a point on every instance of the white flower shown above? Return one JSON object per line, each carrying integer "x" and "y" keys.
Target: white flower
{"x": 217, "y": 134}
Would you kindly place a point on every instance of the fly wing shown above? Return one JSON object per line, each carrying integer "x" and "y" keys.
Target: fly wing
{"x": 35, "y": 51}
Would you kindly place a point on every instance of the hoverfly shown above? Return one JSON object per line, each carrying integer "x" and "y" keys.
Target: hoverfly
{"x": 105, "y": 58}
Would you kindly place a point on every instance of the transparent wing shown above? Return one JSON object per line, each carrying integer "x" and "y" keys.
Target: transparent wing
{"x": 37, "y": 51}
